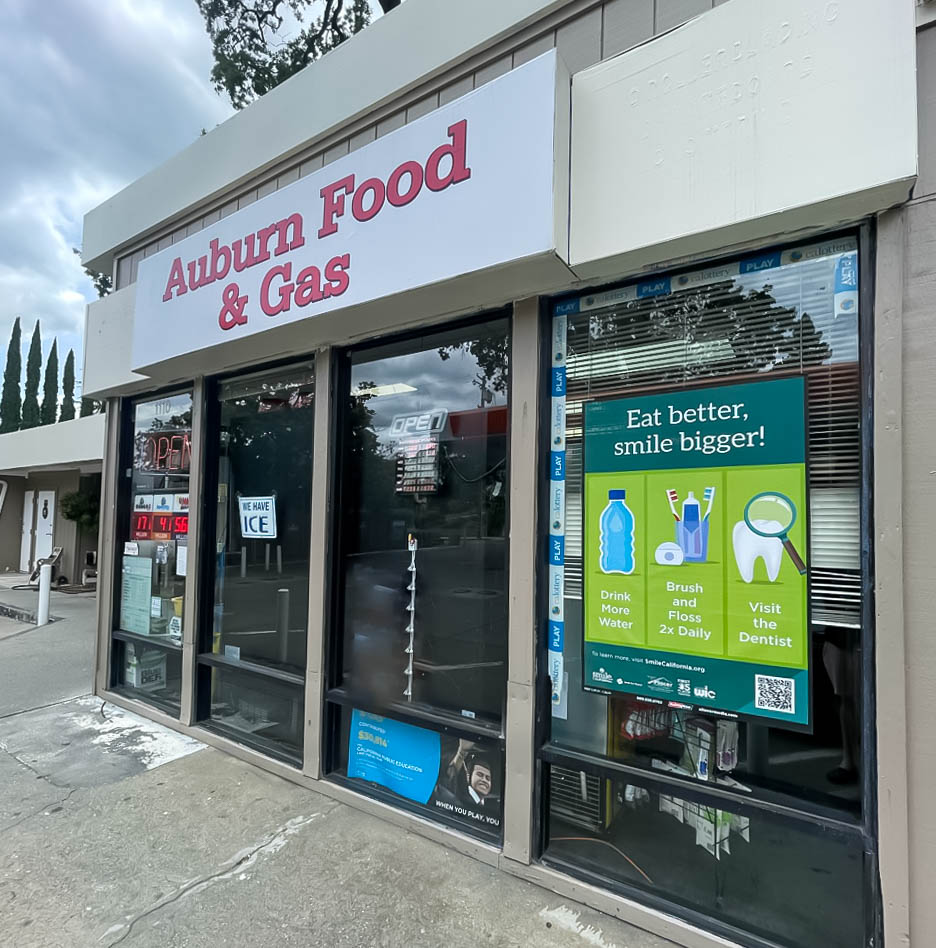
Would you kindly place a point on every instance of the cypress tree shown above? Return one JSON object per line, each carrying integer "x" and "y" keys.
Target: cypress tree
{"x": 87, "y": 407}
{"x": 50, "y": 385}
{"x": 68, "y": 386}
{"x": 33, "y": 367}
{"x": 11, "y": 402}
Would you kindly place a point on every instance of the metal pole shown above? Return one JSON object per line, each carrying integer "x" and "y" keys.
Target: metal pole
{"x": 45, "y": 588}
{"x": 279, "y": 558}
{"x": 266, "y": 556}
{"x": 243, "y": 562}
{"x": 282, "y": 622}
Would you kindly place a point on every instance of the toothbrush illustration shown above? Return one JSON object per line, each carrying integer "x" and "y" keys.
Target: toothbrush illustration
{"x": 672, "y": 497}
{"x": 708, "y": 496}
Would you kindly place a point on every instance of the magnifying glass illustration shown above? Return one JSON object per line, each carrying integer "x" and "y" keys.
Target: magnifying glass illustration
{"x": 772, "y": 514}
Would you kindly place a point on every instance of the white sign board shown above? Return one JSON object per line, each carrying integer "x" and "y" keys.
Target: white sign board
{"x": 790, "y": 113}
{"x": 257, "y": 517}
{"x": 163, "y": 503}
{"x": 472, "y": 185}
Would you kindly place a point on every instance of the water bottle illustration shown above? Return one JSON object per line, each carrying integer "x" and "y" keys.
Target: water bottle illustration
{"x": 617, "y": 535}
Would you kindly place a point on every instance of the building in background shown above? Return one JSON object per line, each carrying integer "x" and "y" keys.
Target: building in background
{"x": 519, "y": 428}
{"x": 41, "y": 466}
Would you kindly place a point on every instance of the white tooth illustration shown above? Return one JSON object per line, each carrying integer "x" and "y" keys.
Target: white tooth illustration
{"x": 748, "y": 546}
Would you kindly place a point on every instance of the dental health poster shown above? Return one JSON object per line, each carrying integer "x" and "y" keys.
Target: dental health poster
{"x": 695, "y": 549}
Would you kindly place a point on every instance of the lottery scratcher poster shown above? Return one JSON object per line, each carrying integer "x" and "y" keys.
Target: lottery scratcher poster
{"x": 695, "y": 541}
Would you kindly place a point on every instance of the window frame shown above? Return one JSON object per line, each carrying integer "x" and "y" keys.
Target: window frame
{"x": 123, "y": 507}
{"x": 336, "y": 697}
{"x": 203, "y": 659}
{"x": 812, "y": 817}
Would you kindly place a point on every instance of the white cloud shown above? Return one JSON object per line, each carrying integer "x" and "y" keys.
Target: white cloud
{"x": 92, "y": 95}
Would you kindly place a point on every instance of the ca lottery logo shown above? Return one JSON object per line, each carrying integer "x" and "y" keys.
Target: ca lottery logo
{"x": 557, "y": 507}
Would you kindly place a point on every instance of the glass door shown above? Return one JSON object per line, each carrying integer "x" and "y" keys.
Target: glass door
{"x": 252, "y": 655}
{"x": 152, "y": 552}
{"x": 418, "y": 647}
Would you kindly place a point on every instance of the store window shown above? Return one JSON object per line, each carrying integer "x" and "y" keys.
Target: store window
{"x": 706, "y": 593}
{"x": 252, "y": 656}
{"x": 153, "y": 555}
{"x": 419, "y": 650}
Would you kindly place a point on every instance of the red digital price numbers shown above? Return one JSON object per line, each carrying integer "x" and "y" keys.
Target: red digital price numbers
{"x": 148, "y": 526}
{"x": 142, "y": 526}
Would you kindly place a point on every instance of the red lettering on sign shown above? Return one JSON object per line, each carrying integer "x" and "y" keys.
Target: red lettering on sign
{"x": 176, "y": 280}
{"x": 284, "y": 272}
{"x": 336, "y": 272}
{"x": 220, "y": 260}
{"x": 457, "y": 152}
{"x": 374, "y": 186}
{"x": 400, "y": 198}
{"x": 286, "y": 242}
{"x": 334, "y": 204}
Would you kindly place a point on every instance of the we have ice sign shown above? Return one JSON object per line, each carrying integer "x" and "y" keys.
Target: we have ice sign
{"x": 257, "y": 518}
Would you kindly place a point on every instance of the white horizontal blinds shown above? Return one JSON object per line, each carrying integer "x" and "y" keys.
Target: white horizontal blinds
{"x": 723, "y": 325}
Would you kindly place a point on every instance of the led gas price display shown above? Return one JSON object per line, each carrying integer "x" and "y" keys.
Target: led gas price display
{"x": 156, "y": 526}
{"x": 695, "y": 544}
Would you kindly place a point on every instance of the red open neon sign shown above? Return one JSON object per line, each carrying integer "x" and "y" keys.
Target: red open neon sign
{"x": 167, "y": 452}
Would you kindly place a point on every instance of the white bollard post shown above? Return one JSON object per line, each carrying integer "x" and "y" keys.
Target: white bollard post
{"x": 45, "y": 588}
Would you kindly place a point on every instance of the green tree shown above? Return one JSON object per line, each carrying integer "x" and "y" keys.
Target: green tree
{"x": 68, "y": 386}
{"x": 103, "y": 283}
{"x": 88, "y": 407}
{"x": 50, "y": 388}
{"x": 11, "y": 407}
{"x": 33, "y": 368}
{"x": 250, "y": 55}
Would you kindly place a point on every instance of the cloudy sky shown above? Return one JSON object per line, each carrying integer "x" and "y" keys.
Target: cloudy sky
{"x": 93, "y": 93}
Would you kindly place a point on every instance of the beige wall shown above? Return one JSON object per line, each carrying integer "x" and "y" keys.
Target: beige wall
{"x": 919, "y": 525}
{"x": 11, "y": 524}
{"x": 79, "y": 442}
{"x": 926, "y": 108}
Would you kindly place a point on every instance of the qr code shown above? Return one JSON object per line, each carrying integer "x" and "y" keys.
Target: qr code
{"x": 774, "y": 694}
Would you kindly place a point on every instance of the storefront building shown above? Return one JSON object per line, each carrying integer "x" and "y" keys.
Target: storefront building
{"x": 46, "y": 475}
{"x": 519, "y": 428}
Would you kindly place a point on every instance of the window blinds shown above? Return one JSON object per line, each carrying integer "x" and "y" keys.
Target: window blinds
{"x": 790, "y": 319}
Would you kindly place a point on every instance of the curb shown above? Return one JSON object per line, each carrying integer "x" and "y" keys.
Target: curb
{"x": 21, "y": 614}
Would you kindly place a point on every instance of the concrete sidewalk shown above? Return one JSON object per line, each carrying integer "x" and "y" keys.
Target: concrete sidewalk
{"x": 117, "y": 831}
{"x": 43, "y": 665}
